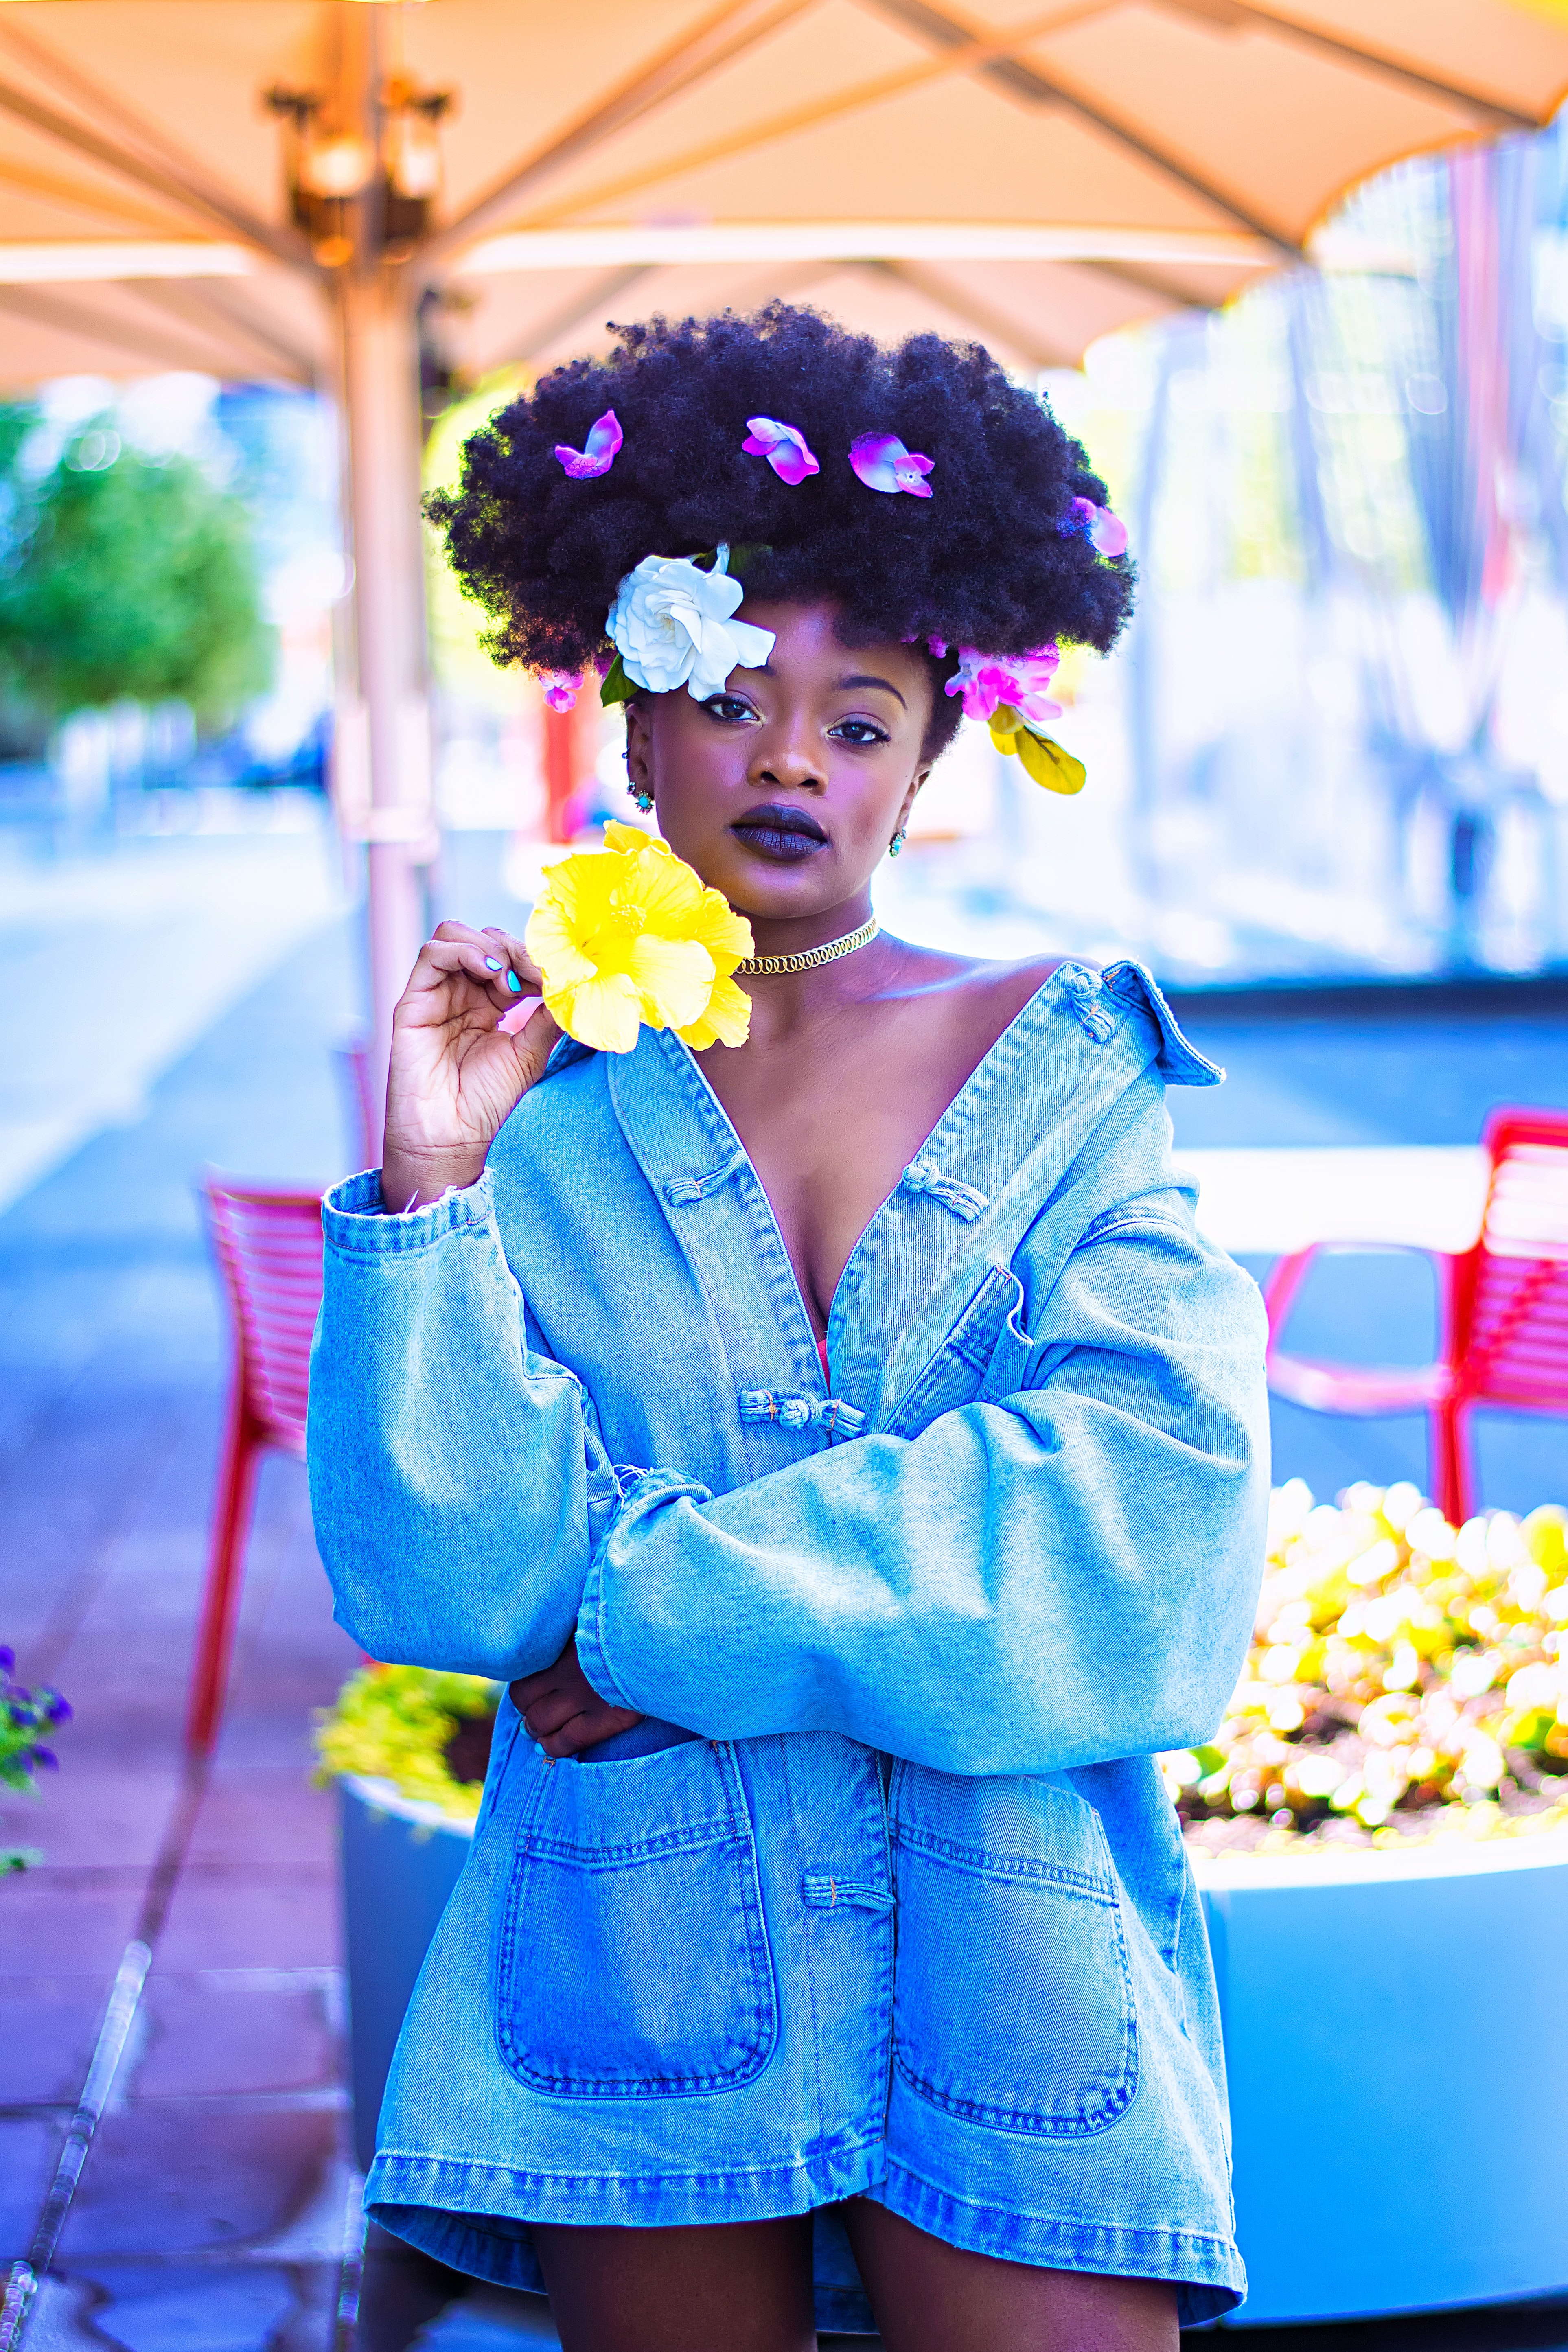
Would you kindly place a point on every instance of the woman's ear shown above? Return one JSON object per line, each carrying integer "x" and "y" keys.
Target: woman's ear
{"x": 639, "y": 746}
{"x": 916, "y": 781}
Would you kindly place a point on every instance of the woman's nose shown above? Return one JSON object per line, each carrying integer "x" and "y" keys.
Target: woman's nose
{"x": 787, "y": 767}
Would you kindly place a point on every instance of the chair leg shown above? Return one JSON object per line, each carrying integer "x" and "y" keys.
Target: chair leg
{"x": 225, "y": 1577}
{"x": 1451, "y": 1462}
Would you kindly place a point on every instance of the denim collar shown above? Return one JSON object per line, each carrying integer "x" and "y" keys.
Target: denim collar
{"x": 965, "y": 1201}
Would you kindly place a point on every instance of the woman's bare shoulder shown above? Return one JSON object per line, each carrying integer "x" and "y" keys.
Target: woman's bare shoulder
{"x": 979, "y": 999}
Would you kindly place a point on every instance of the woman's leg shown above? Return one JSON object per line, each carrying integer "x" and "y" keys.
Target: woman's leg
{"x": 929, "y": 2297}
{"x": 727, "y": 2287}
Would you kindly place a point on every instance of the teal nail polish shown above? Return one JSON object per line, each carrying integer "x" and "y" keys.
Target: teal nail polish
{"x": 513, "y": 982}
{"x": 492, "y": 963}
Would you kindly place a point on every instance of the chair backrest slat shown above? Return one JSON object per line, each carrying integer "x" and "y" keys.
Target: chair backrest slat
{"x": 267, "y": 1245}
{"x": 1511, "y": 1334}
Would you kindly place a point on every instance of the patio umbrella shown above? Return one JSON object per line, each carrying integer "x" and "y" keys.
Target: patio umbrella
{"x": 254, "y": 187}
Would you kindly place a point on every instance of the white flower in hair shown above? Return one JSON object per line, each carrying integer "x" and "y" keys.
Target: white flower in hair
{"x": 672, "y": 626}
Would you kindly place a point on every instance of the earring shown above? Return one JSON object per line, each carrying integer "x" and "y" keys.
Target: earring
{"x": 897, "y": 843}
{"x": 644, "y": 799}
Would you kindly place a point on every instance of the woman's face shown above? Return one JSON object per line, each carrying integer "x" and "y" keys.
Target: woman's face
{"x": 785, "y": 790}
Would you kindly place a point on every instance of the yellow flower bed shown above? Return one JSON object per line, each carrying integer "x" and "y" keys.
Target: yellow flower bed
{"x": 1407, "y": 1679}
{"x": 396, "y": 1723}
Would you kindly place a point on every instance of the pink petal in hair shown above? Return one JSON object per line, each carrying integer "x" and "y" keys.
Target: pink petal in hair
{"x": 598, "y": 454}
{"x": 784, "y": 446}
{"x": 1107, "y": 532}
{"x": 562, "y": 688}
{"x": 987, "y": 680}
{"x": 882, "y": 463}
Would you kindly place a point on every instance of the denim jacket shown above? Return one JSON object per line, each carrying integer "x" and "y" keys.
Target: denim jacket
{"x": 1014, "y": 1546}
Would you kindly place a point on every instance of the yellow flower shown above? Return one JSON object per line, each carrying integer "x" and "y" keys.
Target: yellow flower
{"x": 1045, "y": 761}
{"x": 628, "y": 934}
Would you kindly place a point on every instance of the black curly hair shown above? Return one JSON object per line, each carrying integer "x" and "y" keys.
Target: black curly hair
{"x": 994, "y": 557}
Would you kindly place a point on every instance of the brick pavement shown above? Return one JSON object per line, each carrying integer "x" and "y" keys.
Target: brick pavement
{"x": 213, "y": 2209}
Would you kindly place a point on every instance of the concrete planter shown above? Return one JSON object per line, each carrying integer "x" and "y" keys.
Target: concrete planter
{"x": 400, "y": 1863}
{"x": 1393, "y": 2035}
{"x": 1393, "y": 2030}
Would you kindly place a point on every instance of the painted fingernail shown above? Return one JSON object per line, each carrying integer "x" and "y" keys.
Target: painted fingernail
{"x": 492, "y": 963}
{"x": 513, "y": 982}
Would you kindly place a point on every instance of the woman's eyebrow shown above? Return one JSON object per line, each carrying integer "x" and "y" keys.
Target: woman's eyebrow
{"x": 886, "y": 683}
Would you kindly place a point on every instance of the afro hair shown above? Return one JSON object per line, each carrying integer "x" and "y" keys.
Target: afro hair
{"x": 995, "y": 557}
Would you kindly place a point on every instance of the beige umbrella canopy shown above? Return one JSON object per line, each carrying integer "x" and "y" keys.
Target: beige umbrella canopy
{"x": 269, "y": 187}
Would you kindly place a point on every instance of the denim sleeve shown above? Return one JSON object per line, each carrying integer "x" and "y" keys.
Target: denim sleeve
{"x": 456, "y": 1485}
{"x": 1062, "y": 1576}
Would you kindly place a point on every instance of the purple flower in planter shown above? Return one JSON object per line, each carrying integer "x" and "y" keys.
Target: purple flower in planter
{"x": 882, "y": 463}
{"x": 46, "y": 1758}
{"x": 784, "y": 446}
{"x": 598, "y": 454}
{"x": 8, "y": 1660}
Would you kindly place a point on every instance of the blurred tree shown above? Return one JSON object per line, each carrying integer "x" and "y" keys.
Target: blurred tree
{"x": 124, "y": 574}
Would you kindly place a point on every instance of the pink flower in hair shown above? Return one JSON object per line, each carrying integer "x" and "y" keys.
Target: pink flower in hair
{"x": 598, "y": 454}
{"x": 562, "y": 688}
{"x": 784, "y": 446}
{"x": 987, "y": 682}
{"x": 1107, "y": 532}
{"x": 883, "y": 462}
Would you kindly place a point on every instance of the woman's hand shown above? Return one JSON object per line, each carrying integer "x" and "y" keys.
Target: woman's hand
{"x": 563, "y": 1712}
{"x": 469, "y": 1036}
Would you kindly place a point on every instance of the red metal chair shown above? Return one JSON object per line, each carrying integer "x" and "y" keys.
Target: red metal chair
{"x": 1504, "y": 1311}
{"x": 267, "y": 1245}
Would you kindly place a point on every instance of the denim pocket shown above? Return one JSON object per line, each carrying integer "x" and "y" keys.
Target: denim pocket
{"x": 1013, "y": 2001}
{"x": 985, "y": 1356}
{"x": 633, "y": 1959}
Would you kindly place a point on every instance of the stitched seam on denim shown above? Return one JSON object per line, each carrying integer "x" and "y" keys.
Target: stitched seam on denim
{"x": 1012, "y": 1869}
{"x": 772, "y": 1257}
{"x": 760, "y": 2010}
{"x": 1132, "y": 1220}
{"x": 926, "y": 1177}
{"x": 962, "y": 1343}
{"x": 1132, "y": 986}
{"x": 389, "y": 1237}
{"x": 688, "y": 1837}
{"x": 993, "y": 1075}
{"x": 778, "y": 1274}
{"x": 1156, "y": 2239}
{"x": 827, "y": 1893}
{"x": 806, "y": 1956}
{"x": 685, "y": 1192}
{"x": 761, "y": 2016}
{"x": 693, "y": 1091}
{"x": 722, "y": 2178}
{"x": 1083, "y": 2122}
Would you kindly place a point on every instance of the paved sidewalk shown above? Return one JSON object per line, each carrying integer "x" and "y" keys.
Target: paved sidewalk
{"x": 213, "y": 2209}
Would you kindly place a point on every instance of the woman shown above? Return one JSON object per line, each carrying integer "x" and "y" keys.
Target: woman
{"x": 842, "y": 1442}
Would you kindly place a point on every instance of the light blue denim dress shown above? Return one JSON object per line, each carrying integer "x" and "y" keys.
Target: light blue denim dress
{"x": 902, "y": 1911}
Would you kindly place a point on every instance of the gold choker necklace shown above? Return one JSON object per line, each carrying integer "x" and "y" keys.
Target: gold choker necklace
{"x": 757, "y": 967}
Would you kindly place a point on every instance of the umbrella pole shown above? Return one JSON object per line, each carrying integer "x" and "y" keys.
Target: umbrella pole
{"x": 380, "y": 361}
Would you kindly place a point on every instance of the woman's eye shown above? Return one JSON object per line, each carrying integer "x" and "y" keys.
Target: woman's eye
{"x": 728, "y": 707}
{"x": 859, "y": 730}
